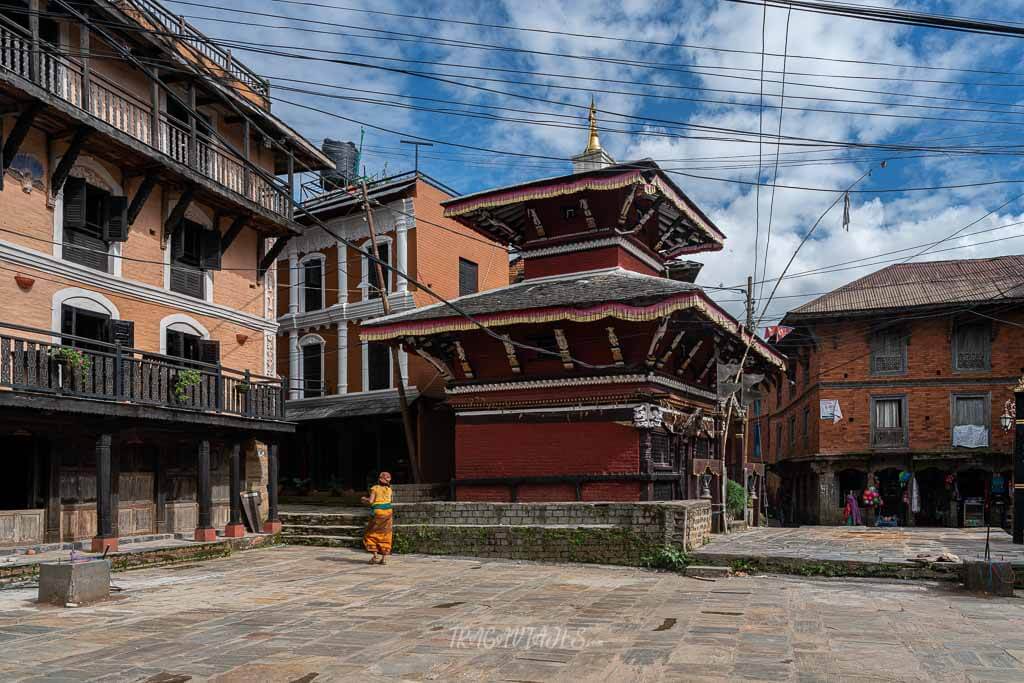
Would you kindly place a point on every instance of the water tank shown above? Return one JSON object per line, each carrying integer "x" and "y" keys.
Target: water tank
{"x": 345, "y": 156}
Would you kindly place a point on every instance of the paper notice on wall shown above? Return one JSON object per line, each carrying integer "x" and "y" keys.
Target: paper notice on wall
{"x": 830, "y": 410}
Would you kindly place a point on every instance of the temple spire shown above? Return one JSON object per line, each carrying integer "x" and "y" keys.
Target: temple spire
{"x": 595, "y": 141}
{"x": 593, "y": 157}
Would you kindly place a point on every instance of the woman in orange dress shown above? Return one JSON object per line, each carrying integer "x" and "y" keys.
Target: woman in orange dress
{"x": 377, "y": 537}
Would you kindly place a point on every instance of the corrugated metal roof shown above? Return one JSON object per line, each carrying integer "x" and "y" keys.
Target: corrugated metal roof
{"x": 933, "y": 283}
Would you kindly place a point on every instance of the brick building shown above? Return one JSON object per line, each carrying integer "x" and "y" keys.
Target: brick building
{"x": 343, "y": 392}
{"x": 594, "y": 377}
{"x": 920, "y": 359}
{"x": 137, "y": 334}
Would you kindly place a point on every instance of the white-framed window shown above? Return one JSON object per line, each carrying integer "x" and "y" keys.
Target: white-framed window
{"x": 311, "y": 276}
{"x": 311, "y": 366}
{"x": 369, "y": 282}
{"x": 90, "y": 218}
{"x": 971, "y": 416}
{"x": 192, "y": 255}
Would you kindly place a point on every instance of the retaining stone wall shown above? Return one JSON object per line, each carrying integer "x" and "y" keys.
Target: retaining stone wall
{"x": 420, "y": 493}
{"x": 606, "y": 533}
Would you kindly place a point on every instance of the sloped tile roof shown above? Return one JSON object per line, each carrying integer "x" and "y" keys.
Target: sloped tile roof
{"x": 932, "y": 283}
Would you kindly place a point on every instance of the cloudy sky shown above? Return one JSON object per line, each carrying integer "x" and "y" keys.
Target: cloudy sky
{"x": 681, "y": 83}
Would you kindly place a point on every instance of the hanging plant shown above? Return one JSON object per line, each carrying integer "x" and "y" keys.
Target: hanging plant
{"x": 243, "y": 387}
{"x": 186, "y": 379}
{"x": 73, "y": 358}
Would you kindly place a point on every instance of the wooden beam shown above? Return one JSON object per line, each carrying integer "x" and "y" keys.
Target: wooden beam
{"x": 668, "y": 231}
{"x": 19, "y": 132}
{"x": 236, "y": 227}
{"x": 613, "y": 342}
{"x": 670, "y": 350}
{"x": 178, "y": 212}
{"x": 141, "y": 195}
{"x": 271, "y": 256}
{"x": 563, "y": 349}
{"x": 537, "y": 225}
{"x": 510, "y": 353}
{"x": 624, "y": 212}
{"x": 439, "y": 365}
{"x": 67, "y": 161}
{"x": 658, "y": 334}
{"x": 689, "y": 357}
{"x": 467, "y": 370}
{"x": 587, "y": 215}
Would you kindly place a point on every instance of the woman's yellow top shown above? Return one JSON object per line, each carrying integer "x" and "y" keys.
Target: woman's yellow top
{"x": 381, "y": 496}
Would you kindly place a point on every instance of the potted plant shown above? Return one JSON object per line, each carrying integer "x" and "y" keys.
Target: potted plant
{"x": 185, "y": 380}
{"x": 68, "y": 361}
{"x": 243, "y": 387}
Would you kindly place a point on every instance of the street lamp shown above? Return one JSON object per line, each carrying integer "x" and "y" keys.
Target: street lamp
{"x": 1009, "y": 414}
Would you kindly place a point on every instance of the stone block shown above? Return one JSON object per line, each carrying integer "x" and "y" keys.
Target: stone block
{"x": 995, "y": 578}
{"x": 78, "y": 583}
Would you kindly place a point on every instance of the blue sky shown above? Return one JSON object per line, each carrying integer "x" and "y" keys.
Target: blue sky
{"x": 649, "y": 111}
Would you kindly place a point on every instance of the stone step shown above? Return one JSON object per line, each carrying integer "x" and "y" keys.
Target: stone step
{"x": 317, "y": 530}
{"x": 324, "y": 541}
{"x": 324, "y": 519}
{"x": 708, "y": 571}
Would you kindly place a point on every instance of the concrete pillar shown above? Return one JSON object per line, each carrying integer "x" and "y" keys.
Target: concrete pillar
{"x": 273, "y": 524}
{"x": 343, "y": 357}
{"x": 402, "y": 258}
{"x": 204, "y": 527}
{"x": 105, "y": 538}
{"x": 235, "y": 528}
{"x": 294, "y": 366}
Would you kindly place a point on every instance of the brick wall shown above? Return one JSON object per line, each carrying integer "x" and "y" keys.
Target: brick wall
{"x": 545, "y": 449}
{"x": 437, "y": 249}
{"x": 839, "y": 368}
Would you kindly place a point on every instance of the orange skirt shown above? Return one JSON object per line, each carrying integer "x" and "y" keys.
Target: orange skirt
{"x": 377, "y": 537}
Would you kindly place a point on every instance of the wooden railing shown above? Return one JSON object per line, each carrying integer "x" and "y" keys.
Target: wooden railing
{"x": 198, "y": 41}
{"x": 63, "y": 76}
{"x": 88, "y": 368}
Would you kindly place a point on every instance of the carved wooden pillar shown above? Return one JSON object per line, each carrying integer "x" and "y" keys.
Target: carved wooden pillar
{"x": 273, "y": 524}
{"x": 105, "y": 512}
{"x": 204, "y": 526}
{"x": 235, "y": 528}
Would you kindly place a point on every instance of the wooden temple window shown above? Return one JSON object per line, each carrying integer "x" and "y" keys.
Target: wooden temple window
{"x": 972, "y": 347}
{"x": 889, "y": 421}
{"x": 661, "y": 453}
{"x": 469, "y": 278}
{"x": 888, "y": 353}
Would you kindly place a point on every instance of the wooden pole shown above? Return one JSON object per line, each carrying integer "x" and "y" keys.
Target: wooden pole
{"x": 396, "y": 367}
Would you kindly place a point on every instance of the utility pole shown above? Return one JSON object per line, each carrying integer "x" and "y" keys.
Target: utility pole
{"x": 1018, "y": 463}
{"x": 750, "y": 304}
{"x": 417, "y": 144}
{"x": 396, "y": 367}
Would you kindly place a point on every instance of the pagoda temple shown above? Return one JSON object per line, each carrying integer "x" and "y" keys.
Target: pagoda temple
{"x": 595, "y": 377}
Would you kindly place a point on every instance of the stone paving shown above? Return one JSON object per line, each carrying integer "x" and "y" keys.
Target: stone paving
{"x": 310, "y": 614}
{"x": 861, "y": 544}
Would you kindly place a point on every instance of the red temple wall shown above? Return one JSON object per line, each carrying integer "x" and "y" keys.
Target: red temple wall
{"x": 590, "y": 259}
{"x": 546, "y": 449}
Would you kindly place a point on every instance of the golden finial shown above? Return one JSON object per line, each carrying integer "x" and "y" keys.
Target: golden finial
{"x": 595, "y": 142}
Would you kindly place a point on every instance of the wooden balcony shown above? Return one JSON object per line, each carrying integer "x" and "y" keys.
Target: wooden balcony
{"x": 86, "y": 369}
{"x": 90, "y": 93}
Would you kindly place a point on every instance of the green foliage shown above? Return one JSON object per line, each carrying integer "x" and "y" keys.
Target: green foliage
{"x": 186, "y": 379}
{"x": 666, "y": 557}
{"x": 74, "y": 358}
{"x": 735, "y": 499}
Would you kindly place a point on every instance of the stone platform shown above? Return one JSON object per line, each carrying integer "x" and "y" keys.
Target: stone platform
{"x": 858, "y": 551}
{"x": 134, "y": 553}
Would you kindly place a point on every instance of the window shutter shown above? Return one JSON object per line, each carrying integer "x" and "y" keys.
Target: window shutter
{"x": 468, "y": 277}
{"x": 74, "y": 203}
{"x": 312, "y": 379}
{"x": 67, "y": 319}
{"x": 122, "y": 332}
{"x": 209, "y": 351}
{"x": 209, "y": 249}
{"x": 175, "y": 344}
{"x": 178, "y": 242}
{"x": 115, "y": 228}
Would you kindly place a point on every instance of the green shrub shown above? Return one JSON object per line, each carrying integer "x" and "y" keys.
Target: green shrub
{"x": 666, "y": 557}
{"x": 735, "y": 499}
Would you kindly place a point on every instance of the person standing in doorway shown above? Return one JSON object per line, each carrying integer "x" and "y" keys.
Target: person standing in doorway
{"x": 378, "y": 534}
